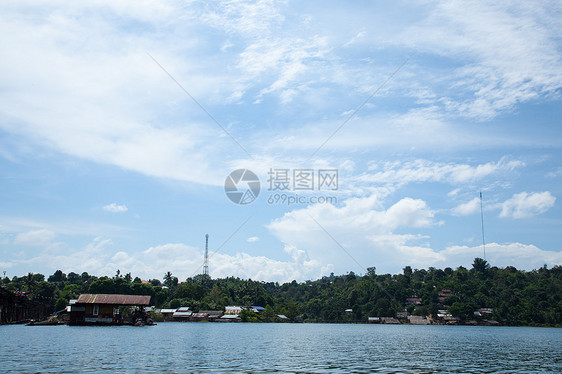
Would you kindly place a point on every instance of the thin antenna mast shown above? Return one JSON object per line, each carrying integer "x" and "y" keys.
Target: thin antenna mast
{"x": 482, "y": 220}
{"x": 206, "y": 264}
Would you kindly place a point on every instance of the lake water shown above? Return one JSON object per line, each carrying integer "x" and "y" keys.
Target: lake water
{"x": 273, "y": 348}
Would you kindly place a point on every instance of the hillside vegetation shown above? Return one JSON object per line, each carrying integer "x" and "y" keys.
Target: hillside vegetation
{"x": 517, "y": 297}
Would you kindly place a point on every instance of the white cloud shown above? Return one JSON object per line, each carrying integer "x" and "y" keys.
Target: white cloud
{"x": 264, "y": 268}
{"x": 6, "y": 264}
{"x": 15, "y": 224}
{"x": 183, "y": 261}
{"x": 421, "y": 170}
{"x": 555, "y": 173}
{"x": 467, "y": 208}
{"x": 91, "y": 258}
{"x": 387, "y": 251}
{"x": 96, "y": 95}
{"x": 409, "y": 212}
{"x": 290, "y": 62}
{"x": 524, "y": 204}
{"x": 253, "y": 239}
{"x": 248, "y": 18}
{"x": 521, "y": 256}
{"x": 34, "y": 237}
{"x": 72, "y": 84}
{"x": 363, "y": 227}
{"x": 360, "y": 36}
{"x": 454, "y": 192}
{"x": 369, "y": 234}
{"x": 114, "y": 208}
{"x": 270, "y": 58}
{"x": 508, "y": 52}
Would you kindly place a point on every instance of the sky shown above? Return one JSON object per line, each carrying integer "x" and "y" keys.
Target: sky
{"x": 304, "y": 137}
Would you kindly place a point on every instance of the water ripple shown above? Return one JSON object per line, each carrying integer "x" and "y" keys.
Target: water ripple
{"x": 279, "y": 348}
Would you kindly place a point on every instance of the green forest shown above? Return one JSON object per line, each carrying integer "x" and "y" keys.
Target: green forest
{"x": 518, "y": 298}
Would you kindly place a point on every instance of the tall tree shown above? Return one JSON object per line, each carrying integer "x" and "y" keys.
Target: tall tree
{"x": 480, "y": 265}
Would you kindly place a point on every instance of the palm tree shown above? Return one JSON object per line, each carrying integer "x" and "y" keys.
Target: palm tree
{"x": 480, "y": 265}
{"x": 168, "y": 279}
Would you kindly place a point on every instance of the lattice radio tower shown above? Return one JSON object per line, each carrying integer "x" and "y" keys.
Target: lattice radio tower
{"x": 482, "y": 220}
{"x": 206, "y": 263}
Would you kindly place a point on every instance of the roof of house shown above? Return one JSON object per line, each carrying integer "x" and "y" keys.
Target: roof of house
{"x": 212, "y": 313}
{"x": 258, "y": 307}
{"x": 200, "y": 315}
{"x": 167, "y": 311}
{"x": 139, "y": 300}
{"x": 230, "y": 316}
{"x": 178, "y": 314}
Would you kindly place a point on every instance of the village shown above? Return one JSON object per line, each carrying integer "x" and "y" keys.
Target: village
{"x": 117, "y": 309}
{"x": 481, "y": 296}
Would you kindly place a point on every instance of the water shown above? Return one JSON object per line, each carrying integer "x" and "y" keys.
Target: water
{"x": 286, "y": 348}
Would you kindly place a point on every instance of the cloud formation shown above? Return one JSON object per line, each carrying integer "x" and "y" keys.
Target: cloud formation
{"x": 115, "y": 208}
{"x": 39, "y": 237}
{"x": 467, "y": 208}
{"x": 524, "y": 204}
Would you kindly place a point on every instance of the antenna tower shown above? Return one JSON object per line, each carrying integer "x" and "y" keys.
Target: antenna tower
{"x": 482, "y": 220}
{"x": 206, "y": 264}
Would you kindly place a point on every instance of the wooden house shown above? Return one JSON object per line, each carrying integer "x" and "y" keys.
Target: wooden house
{"x": 104, "y": 308}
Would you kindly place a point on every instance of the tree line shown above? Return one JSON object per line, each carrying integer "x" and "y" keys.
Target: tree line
{"x": 519, "y": 298}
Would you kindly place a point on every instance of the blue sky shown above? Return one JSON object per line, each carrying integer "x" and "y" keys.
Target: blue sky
{"x": 120, "y": 122}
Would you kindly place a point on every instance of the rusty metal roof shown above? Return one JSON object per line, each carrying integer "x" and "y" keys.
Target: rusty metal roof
{"x": 88, "y": 298}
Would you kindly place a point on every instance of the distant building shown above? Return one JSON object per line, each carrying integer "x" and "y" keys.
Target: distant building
{"x": 182, "y": 314}
{"x": 414, "y": 301}
{"x": 232, "y": 309}
{"x": 257, "y": 309}
{"x": 444, "y": 317}
{"x": 483, "y": 312}
{"x": 104, "y": 308}
{"x": 167, "y": 314}
{"x": 199, "y": 317}
{"x": 212, "y": 315}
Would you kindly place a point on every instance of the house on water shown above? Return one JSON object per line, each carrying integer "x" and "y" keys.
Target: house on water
{"x": 103, "y": 309}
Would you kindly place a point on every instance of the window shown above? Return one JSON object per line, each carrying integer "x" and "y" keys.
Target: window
{"x": 96, "y": 310}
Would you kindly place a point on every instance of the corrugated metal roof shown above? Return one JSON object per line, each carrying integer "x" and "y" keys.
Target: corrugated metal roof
{"x": 182, "y": 314}
{"x": 230, "y": 316}
{"x": 114, "y": 299}
{"x": 200, "y": 315}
